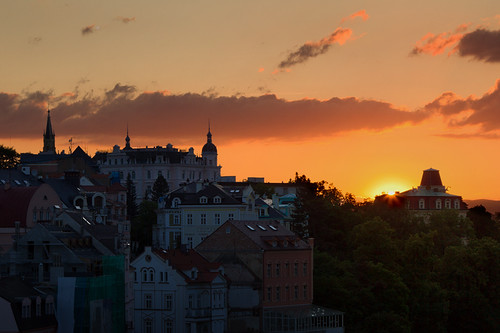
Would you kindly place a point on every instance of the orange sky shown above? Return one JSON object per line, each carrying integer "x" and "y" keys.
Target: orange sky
{"x": 363, "y": 95}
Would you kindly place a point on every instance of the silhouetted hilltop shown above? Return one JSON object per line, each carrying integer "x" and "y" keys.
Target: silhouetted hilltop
{"x": 491, "y": 206}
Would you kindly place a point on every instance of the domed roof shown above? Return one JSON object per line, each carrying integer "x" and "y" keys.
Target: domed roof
{"x": 209, "y": 147}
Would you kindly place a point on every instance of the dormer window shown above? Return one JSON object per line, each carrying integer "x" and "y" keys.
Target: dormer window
{"x": 217, "y": 200}
{"x": 203, "y": 200}
{"x": 176, "y": 202}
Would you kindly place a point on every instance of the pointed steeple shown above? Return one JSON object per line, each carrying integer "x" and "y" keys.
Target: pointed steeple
{"x": 209, "y": 147}
{"x": 127, "y": 140}
{"x": 49, "y": 138}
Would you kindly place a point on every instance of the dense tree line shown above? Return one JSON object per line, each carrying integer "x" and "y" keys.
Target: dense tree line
{"x": 390, "y": 270}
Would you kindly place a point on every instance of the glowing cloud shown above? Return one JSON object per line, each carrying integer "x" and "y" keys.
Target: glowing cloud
{"x": 313, "y": 49}
{"x": 361, "y": 13}
{"x": 437, "y": 44}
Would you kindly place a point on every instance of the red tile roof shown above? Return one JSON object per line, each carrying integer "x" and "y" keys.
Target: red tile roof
{"x": 14, "y": 203}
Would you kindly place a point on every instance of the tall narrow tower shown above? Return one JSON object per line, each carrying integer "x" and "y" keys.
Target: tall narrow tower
{"x": 49, "y": 138}
{"x": 209, "y": 151}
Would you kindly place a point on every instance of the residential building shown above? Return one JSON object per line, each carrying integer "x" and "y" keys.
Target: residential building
{"x": 429, "y": 197}
{"x": 192, "y": 212}
{"x": 22, "y": 207}
{"x": 281, "y": 264}
{"x": 145, "y": 165}
{"x": 179, "y": 291}
{"x": 24, "y": 308}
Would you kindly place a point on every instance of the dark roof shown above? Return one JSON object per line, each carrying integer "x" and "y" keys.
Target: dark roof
{"x": 270, "y": 235}
{"x": 185, "y": 260}
{"x": 189, "y": 195}
{"x": 431, "y": 177}
{"x": 143, "y": 155}
{"x": 272, "y": 212}
{"x": 64, "y": 189}
{"x": 12, "y": 288}
{"x": 17, "y": 178}
{"x": 14, "y": 202}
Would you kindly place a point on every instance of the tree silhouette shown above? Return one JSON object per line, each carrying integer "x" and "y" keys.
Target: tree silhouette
{"x": 160, "y": 188}
{"x": 9, "y": 157}
{"x": 131, "y": 198}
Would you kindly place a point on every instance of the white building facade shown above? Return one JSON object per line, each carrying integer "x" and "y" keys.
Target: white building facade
{"x": 191, "y": 213}
{"x": 145, "y": 165}
{"x": 178, "y": 291}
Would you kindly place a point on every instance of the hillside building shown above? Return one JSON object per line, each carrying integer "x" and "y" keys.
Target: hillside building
{"x": 145, "y": 165}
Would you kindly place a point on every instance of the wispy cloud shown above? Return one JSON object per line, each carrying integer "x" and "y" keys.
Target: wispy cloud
{"x": 436, "y": 44}
{"x": 313, "y": 49}
{"x": 362, "y": 14}
{"x": 126, "y": 19}
{"x": 89, "y": 29}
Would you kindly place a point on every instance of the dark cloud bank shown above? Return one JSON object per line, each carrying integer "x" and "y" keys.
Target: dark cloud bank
{"x": 172, "y": 117}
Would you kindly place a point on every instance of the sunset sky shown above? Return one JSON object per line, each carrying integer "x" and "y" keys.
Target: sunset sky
{"x": 362, "y": 94}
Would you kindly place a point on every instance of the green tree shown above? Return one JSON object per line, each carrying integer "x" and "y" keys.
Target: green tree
{"x": 142, "y": 226}
{"x": 131, "y": 198}
{"x": 160, "y": 188}
{"x": 484, "y": 225}
{"x": 9, "y": 157}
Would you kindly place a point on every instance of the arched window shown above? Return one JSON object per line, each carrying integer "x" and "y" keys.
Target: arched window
{"x": 203, "y": 200}
{"x": 217, "y": 200}
{"x": 26, "y": 308}
{"x": 176, "y": 202}
{"x": 49, "y": 305}
{"x": 151, "y": 275}
{"x": 421, "y": 204}
{"x": 38, "y": 306}
{"x": 447, "y": 204}
{"x": 438, "y": 204}
{"x": 457, "y": 204}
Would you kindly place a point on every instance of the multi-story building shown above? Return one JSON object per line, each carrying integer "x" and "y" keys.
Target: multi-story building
{"x": 282, "y": 264}
{"x": 192, "y": 212}
{"x": 178, "y": 291}
{"x": 429, "y": 197}
{"x": 145, "y": 165}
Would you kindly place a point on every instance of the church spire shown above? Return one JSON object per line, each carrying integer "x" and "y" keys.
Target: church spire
{"x": 49, "y": 138}
{"x": 127, "y": 140}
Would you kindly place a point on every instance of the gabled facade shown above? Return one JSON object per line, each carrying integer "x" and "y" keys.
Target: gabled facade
{"x": 178, "y": 291}
{"x": 145, "y": 165}
{"x": 191, "y": 213}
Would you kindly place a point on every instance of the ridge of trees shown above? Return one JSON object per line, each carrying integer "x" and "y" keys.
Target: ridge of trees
{"x": 391, "y": 270}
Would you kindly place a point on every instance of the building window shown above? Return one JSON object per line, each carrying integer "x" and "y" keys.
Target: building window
{"x": 189, "y": 218}
{"x": 269, "y": 267}
{"x": 149, "y": 174}
{"x": 421, "y": 204}
{"x": 148, "y": 325}
{"x": 278, "y": 268}
{"x": 133, "y": 174}
{"x": 217, "y": 200}
{"x": 304, "y": 268}
{"x": 203, "y": 200}
{"x": 287, "y": 293}
{"x": 176, "y": 219}
{"x": 190, "y": 242}
{"x": 151, "y": 275}
{"x": 278, "y": 296}
{"x": 163, "y": 276}
{"x": 231, "y": 216}
{"x": 269, "y": 293}
{"x": 296, "y": 269}
{"x": 148, "y": 301}
{"x": 38, "y": 306}
{"x": 168, "y": 326}
{"x": 176, "y": 202}
{"x": 447, "y": 204}
{"x": 296, "y": 292}
{"x": 159, "y": 173}
{"x": 167, "y": 302}
{"x": 26, "y": 308}
{"x": 305, "y": 291}
{"x": 438, "y": 204}
{"x": 217, "y": 218}
{"x": 49, "y": 305}
{"x": 457, "y": 204}
{"x": 203, "y": 218}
